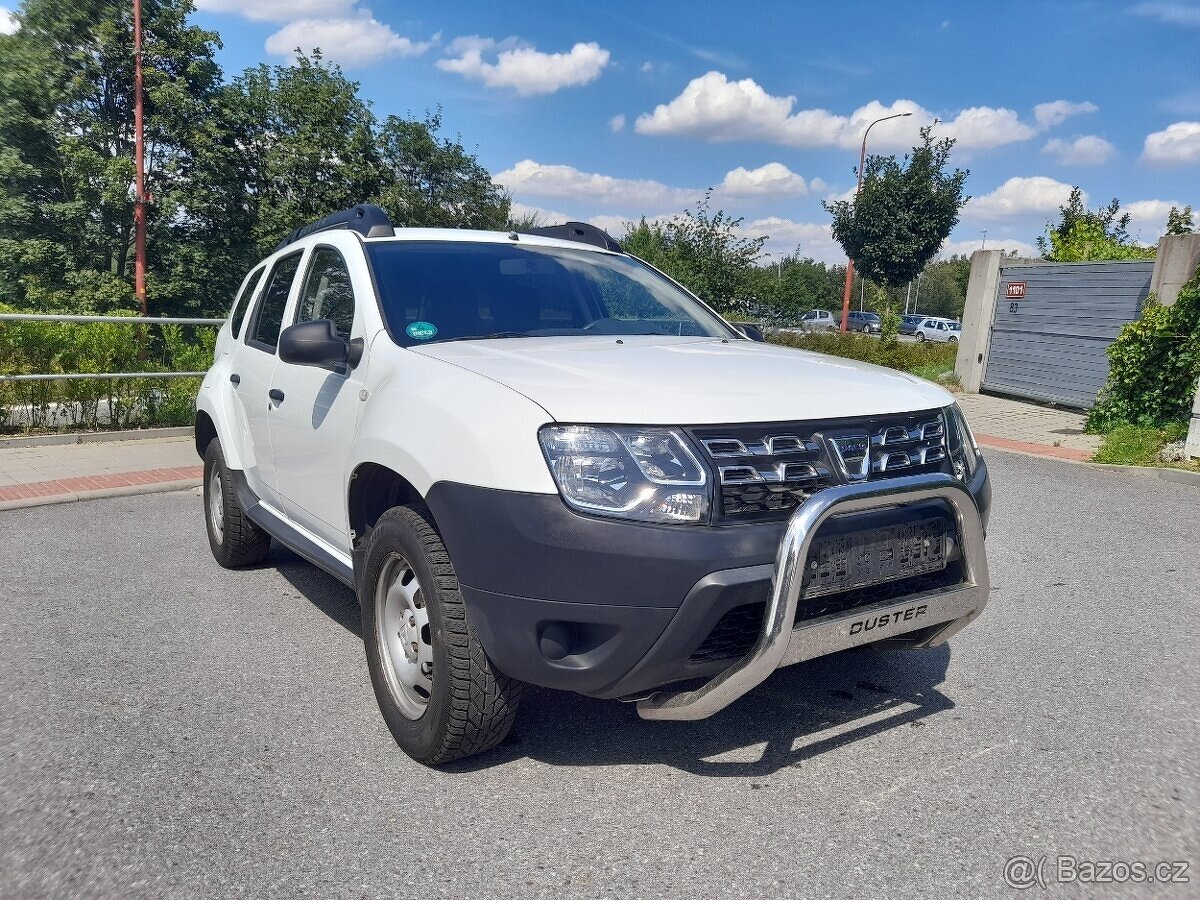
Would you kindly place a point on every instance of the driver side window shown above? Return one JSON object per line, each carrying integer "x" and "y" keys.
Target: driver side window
{"x": 327, "y": 293}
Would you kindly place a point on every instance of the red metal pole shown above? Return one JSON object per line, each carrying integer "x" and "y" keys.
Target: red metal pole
{"x": 139, "y": 162}
{"x": 862, "y": 160}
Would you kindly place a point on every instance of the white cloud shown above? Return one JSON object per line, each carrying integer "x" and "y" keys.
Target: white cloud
{"x": 525, "y": 70}
{"x": 1047, "y": 115}
{"x": 279, "y": 10}
{"x": 617, "y": 123}
{"x": 1008, "y": 245}
{"x": 8, "y": 24}
{"x": 1178, "y": 144}
{"x": 784, "y": 235}
{"x": 1020, "y": 196}
{"x": 1170, "y": 13}
{"x": 350, "y": 42}
{"x": 1148, "y": 218}
{"x": 773, "y": 179}
{"x": 530, "y": 178}
{"x": 713, "y": 108}
{"x": 1089, "y": 150}
{"x": 647, "y": 66}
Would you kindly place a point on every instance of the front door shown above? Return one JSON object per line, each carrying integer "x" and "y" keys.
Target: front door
{"x": 252, "y": 371}
{"x": 312, "y": 428}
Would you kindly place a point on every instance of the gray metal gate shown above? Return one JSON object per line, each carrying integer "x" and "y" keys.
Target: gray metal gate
{"x": 1053, "y": 322}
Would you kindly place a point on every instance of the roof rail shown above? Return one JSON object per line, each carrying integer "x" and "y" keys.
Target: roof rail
{"x": 366, "y": 218}
{"x": 578, "y": 231}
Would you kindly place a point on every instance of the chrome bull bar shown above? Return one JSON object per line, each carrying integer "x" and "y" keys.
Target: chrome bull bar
{"x": 781, "y": 643}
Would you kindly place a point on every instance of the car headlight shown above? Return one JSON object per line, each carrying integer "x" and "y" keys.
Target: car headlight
{"x": 646, "y": 474}
{"x": 964, "y": 452}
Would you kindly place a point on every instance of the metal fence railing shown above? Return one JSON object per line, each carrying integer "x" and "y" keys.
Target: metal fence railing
{"x": 118, "y": 320}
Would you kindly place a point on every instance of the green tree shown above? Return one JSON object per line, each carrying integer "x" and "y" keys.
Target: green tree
{"x": 1082, "y": 234}
{"x": 66, "y": 151}
{"x": 703, "y": 250}
{"x": 306, "y": 144}
{"x": 434, "y": 182}
{"x": 1180, "y": 221}
{"x": 903, "y": 213}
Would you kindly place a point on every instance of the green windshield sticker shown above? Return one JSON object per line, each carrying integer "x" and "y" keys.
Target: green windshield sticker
{"x": 421, "y": 331}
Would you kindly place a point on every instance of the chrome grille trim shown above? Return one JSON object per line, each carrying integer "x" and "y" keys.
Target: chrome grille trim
{"x": 765, "y": 470}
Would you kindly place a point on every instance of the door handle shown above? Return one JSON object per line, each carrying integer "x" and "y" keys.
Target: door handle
{"x": 235, "y": 378}
{"x": 275, "y": 394}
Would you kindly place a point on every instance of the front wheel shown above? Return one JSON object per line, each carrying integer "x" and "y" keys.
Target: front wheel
{"x": 953, "y": 340}
{"x": 438, "y": 692}
{"x": 920, "y": 337}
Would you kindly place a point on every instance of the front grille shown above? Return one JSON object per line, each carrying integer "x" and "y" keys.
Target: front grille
{"x": 737, "y": 630}
{"x": 765, "y": 471}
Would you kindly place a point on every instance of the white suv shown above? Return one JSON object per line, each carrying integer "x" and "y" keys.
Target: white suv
{"x": 538, "y": 460}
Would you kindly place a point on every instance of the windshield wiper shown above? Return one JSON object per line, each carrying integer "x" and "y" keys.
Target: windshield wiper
{"x": 485, "y": 337}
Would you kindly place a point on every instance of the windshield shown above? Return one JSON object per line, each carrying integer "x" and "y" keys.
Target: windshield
{"x": 435, "y": 291}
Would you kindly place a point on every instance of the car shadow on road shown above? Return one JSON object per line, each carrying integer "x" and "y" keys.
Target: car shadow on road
{"x": 317, "y": 586}
{"x": 797, "y": 714}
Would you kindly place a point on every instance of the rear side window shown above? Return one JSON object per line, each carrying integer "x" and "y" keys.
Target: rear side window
{"x": 268, "y": 320}
{"x": 243, "y": 303}
{"x": 327, "y": 292}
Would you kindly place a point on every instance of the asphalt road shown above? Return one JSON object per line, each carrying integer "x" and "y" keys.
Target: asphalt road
{"x": 172, "y": 729}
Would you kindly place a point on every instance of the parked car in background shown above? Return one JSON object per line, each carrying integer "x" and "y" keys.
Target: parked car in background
{"x": 909, "y": 324}
{"x": 819, "y": 320}
{"x": 866, "y": 322}
{"x": 943, "y": 330}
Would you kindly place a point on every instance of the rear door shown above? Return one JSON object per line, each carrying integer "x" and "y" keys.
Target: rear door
{"x": 252, "y": 369}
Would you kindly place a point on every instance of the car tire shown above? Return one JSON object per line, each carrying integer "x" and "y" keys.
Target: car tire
{"x": 442, "y": 700}
{"x": 235, "y": 540}
{"x": 920, "y": 337}
{"x": 952, "y": 340}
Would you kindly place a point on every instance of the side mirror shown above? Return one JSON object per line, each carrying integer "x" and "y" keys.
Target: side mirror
{"x": 751, "y": 331}
{"x": 317, "y": 344}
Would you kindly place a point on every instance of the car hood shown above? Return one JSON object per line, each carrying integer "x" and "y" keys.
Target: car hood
{"x": 651, "y": 380}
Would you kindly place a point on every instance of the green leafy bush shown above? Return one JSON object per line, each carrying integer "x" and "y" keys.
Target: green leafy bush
{"x": 1153, "y": 366}
{"x": 102, "y": 347}
{"x": 932, "y": 361}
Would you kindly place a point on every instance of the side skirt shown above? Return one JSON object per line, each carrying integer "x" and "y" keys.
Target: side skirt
{"x": 295, "y": 539}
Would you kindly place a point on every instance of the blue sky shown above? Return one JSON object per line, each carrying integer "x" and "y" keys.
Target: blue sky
{"x": 609, "y": 111}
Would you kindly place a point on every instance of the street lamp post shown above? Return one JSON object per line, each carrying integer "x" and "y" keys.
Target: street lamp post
{"x": 862, "y": 161}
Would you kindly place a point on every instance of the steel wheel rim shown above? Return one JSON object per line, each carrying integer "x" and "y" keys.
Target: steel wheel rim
{"x": 216, "y": 505}
{"x": 403, "y": 636}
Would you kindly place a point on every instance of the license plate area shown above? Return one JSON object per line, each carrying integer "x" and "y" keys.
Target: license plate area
{"x": 875, "y": 556}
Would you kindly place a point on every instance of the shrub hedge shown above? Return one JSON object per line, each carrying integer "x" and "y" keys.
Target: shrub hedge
{"x": 1153, "y": 366}
{"x": 62, "y": 347}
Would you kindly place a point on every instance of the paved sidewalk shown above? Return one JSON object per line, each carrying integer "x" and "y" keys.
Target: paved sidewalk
{"x": 30, "y": 476}
{"x": 1006, "y": 424}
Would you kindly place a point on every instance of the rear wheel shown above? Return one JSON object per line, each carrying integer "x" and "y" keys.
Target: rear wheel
{"x": 437, "y": 690}
{"x": 234, "y": 540}
{"x": 953, "y": 340}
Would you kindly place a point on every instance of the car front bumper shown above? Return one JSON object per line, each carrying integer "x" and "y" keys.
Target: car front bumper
{"x": 617, "y": 609}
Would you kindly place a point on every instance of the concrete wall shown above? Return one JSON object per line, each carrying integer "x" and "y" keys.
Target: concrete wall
{"x": 1174, "y": 265}
{"x": 977, "y": 319}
